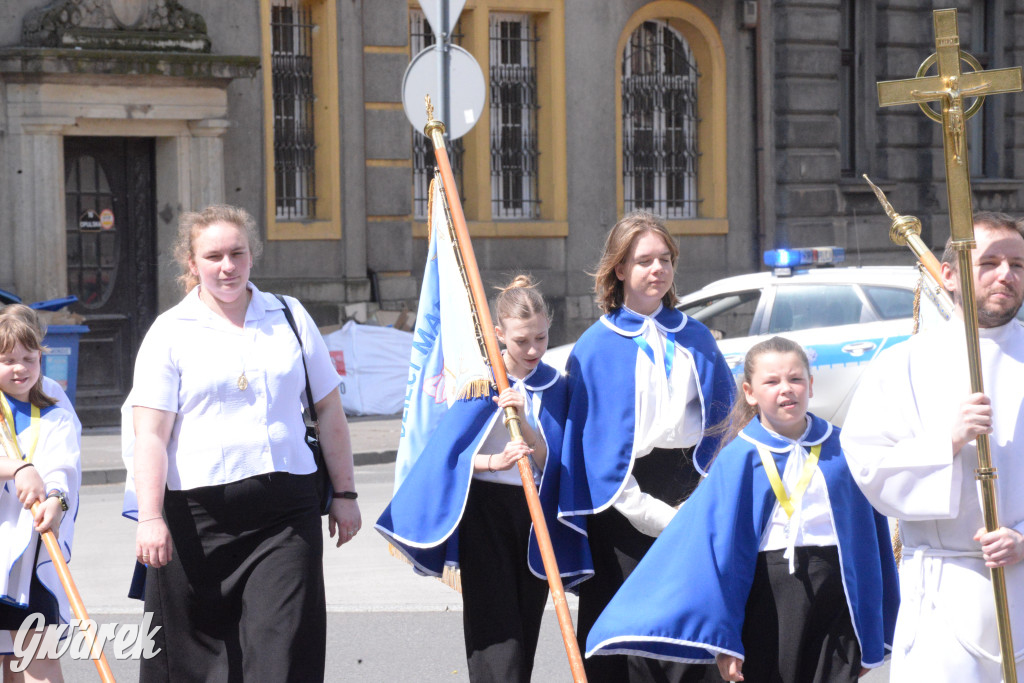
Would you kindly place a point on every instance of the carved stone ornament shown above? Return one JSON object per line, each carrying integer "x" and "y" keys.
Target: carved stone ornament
{"x": 145, "y": 25}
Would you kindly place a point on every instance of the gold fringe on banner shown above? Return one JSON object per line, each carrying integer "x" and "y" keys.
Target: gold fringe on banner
{"x": 451, "y": 577}
{"x": 477, "y": 388}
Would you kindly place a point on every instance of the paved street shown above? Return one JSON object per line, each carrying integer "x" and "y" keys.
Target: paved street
{"x": 384, "y": 622}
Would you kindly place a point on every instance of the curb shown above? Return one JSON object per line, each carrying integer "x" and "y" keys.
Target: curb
{"x": 117, "y": 475}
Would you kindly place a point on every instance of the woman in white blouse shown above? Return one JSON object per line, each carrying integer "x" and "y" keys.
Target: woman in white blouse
{"x": 228, "y": 514}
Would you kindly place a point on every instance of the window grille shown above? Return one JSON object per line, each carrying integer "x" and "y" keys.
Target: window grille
{"x": 423, "y": 163}
{"x": 659, "y": 122}
{"x": 983, "y": 134}
{"x": 291, "y": 29}
{"x": 848, "y": 89}
{"x": 514, "y": 107}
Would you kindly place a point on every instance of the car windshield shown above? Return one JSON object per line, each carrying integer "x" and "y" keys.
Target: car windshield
{"x": 727, "y": 316}
{"x": 892, "y": 303}
{"x": 803, "y": 307}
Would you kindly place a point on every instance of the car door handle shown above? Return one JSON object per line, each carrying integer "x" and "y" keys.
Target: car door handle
{"x": 858, "y": 349}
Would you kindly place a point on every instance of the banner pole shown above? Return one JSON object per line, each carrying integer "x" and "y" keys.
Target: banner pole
{"x": 435, "y": 131}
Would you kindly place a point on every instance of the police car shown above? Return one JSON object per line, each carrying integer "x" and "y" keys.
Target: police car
{"x": 843, "y": 317}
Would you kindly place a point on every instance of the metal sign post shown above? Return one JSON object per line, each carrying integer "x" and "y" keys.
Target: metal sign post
{"x": 433, "y": 71}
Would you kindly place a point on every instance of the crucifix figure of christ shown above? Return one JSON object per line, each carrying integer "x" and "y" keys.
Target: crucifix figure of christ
{"x": 950, "y": 87}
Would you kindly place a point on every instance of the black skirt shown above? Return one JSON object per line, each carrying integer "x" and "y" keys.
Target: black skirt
{"x": 243, "y": 597}
{"x": 617, "y": 547}
{"x": 797, "y": 626}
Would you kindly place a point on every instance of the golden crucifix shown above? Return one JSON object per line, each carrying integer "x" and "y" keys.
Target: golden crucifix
{"x": 951, "y": 87}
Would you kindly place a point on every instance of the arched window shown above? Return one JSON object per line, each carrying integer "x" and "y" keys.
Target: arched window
{"x": 659, "y": 122}
{"x": 671, "y": 111}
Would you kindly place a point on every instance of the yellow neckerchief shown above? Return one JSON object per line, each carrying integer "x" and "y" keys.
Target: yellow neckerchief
{"x": 8, "y": 416}
{"x": 786, "y": 501}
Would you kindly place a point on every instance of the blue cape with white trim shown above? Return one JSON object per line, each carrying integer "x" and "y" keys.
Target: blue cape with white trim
{"x": 597, "y": 455}
{"x": 686, "y": 599}
{"x": 423, "y": 517}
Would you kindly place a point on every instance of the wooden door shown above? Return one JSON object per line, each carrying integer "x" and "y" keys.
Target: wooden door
{"x": 111, "y": 264}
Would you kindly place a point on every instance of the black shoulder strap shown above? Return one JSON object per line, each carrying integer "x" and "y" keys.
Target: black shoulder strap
{"x": 302, "y": 355}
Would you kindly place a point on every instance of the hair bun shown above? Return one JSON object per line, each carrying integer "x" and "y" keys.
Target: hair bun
{"x": 521, "y": 280}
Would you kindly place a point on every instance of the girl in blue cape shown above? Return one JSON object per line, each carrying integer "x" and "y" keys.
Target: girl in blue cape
{"x": 777, "y": 567}
{"x": 462, "y": 503}
{"x": 645, "y": 384}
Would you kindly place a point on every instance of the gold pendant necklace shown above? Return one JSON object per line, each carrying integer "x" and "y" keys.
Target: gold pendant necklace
{"x": 243, "y": 382}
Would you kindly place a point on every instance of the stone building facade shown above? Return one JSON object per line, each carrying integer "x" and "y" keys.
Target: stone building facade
{"x": 746, "y": 123}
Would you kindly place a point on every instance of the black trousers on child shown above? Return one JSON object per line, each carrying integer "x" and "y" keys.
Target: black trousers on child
{"x": 243, "y": 597}
{"x": 617, "y": 548}
{"x": 797, "y": 627}
{"x": 502, "y": 601}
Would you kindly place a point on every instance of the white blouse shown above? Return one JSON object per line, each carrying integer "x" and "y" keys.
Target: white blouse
{"x": 190, "y": 363}
{"x": 811, "y": 523}
{"x": 497, "y": 437}
{"x": 668, "y": 415}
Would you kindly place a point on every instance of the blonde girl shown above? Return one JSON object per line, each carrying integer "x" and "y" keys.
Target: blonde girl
{"x": 462, "y": 503}
{"x": 46, "y": 469}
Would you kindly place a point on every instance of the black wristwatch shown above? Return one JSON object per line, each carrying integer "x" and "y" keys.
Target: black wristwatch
{"x": 59, "y": 495}
{"x": 350, "y": 495}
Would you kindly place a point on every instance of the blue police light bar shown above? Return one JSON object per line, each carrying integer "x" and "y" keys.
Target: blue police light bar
{"x": 791, "y": 258}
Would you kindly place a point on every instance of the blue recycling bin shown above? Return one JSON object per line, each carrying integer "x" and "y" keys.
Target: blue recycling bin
{"x": 60, "y": 360}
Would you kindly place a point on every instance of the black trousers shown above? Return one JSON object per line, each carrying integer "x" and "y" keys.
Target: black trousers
{"x": 797, "y": 627}
{"x": 617, "y": 547}
{"x": 503, "y": 602}
{"x": 243, "y": 598}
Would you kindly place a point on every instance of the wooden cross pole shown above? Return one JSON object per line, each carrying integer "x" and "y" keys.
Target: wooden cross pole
{"x": 951, "y": 87}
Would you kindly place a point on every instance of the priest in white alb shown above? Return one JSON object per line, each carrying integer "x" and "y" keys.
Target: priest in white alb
{"x": 909, "y": 439}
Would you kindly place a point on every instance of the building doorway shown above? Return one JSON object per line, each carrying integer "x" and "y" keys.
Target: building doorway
{"x": 111, "y": 264}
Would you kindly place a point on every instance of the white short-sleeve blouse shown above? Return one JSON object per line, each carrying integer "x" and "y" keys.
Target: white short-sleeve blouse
{"x": 189, "y": 364}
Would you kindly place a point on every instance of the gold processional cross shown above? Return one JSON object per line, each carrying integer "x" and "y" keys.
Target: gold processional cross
{"x": 950, "y": 87}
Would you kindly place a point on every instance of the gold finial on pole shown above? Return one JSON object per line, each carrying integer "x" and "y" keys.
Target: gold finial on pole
{"x": 434, "y": 128}
{"x": 906, "y": 231}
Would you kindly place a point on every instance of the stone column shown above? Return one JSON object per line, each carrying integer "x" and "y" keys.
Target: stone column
{"x": 40, "y": 248}
{"x": 206, "y": 161}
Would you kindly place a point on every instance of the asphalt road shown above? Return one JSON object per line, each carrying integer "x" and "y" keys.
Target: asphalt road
{"x": 384, "y": 622}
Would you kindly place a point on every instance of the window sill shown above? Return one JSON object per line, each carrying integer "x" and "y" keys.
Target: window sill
{"x": 698, "y": 226}
{"x": 304, "y": 230}
{"x": 857, "y": 185}
{"x": 506, "y": 228}
{"x": 985, "y": 186}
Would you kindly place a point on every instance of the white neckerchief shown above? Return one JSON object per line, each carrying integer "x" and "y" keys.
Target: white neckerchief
{"x": 811, "y": 523}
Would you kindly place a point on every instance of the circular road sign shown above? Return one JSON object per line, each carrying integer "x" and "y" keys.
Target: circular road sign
{"x": 466, "y": 86}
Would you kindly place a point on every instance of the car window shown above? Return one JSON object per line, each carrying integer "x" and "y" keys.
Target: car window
{"x": 892, "y": 303}
{"x": 802, "y": 307}
{"x": 728, "y": 316}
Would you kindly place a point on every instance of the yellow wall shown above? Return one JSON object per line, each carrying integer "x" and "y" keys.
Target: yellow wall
{"x": 327, "y": 223}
